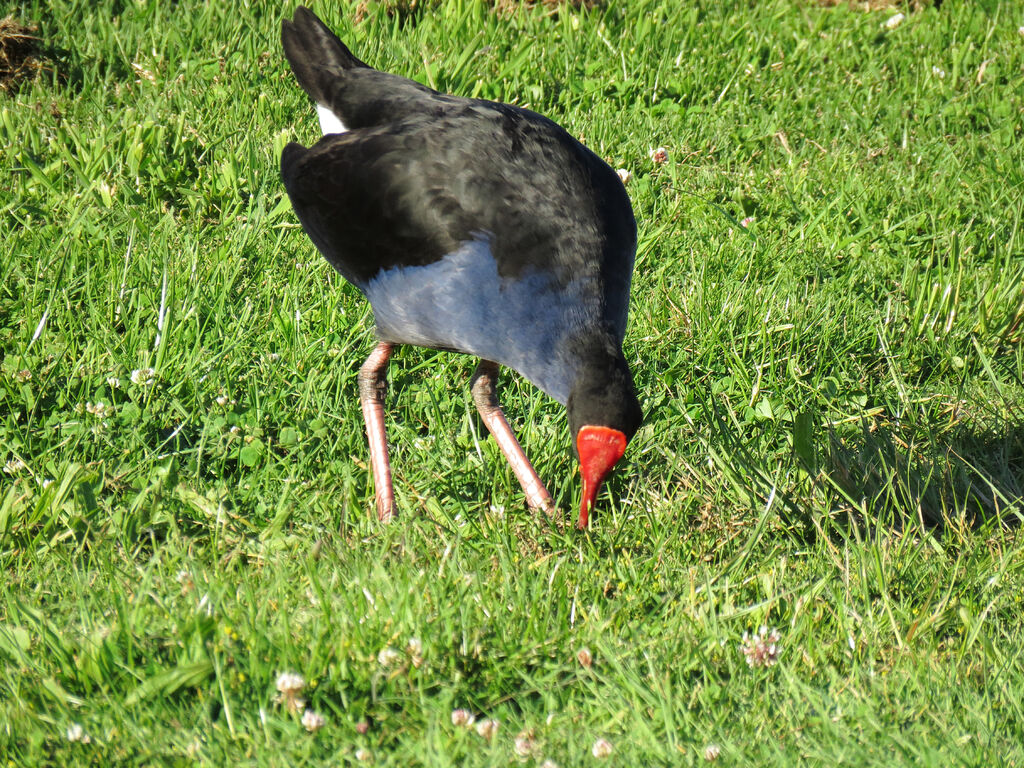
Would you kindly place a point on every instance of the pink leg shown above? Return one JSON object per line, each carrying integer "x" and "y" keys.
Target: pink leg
{"x": 485, "y": 396}
{"x": 372, "y": 390}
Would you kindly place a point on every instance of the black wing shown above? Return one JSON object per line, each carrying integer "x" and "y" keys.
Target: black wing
{"x": 411, "y": 192}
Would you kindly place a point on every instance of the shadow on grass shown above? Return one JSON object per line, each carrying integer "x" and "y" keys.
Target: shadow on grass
{"x": 965, "y": 477}
{"x": 972, "y": 477}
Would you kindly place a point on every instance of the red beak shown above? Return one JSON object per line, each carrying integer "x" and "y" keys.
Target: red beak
{"x": 599, "y": 448}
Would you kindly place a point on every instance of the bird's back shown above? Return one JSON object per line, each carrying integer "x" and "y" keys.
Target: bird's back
{"x": 474, "y": 204}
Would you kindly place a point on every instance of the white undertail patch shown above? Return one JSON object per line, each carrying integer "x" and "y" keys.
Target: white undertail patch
{"x": 329, "y": 122}
{"x": 461, "y": 303}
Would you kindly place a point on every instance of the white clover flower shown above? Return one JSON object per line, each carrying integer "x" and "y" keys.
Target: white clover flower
{"x": 549, "y": 763}
{"x": 524, "y": 745}
{"x": 711, "y": 752}
{"x": 487, "y": 729}
{"x": 99, "y": 410}
{"x": 143, "y": 377}
{"x": 77, "y": 733}
{"x": 602, "y": 748}
{"x": 23, "y": 375}
{"x": 894, "y": 21}
{"x": 658, "y": 155}
{"x": 364, "y": 755}
{"x": 462, "y": 717}
{"x": 290, "y": 682}
{"x": 289, "y": 686}
{"x": 14, "y": 466}
{"x": 113, "y": 382}
{"x": 939, "y": 73}
{"x": 747, "y": 222}
{"x": 761, "y": 649}
{"x": 388, "y": 656}
{"x": 624, "y": 175}
{"x": 223, "y": 399}
{"x": 313, "y": 721}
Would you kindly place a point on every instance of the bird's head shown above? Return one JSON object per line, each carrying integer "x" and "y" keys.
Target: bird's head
{"x": 604, "y": 414}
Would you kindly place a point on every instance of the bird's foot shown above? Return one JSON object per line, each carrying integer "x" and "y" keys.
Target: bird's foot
{"x": 539, "y": 500}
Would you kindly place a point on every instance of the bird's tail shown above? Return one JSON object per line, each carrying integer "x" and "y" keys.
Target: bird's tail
{"x": 316, "y": 55}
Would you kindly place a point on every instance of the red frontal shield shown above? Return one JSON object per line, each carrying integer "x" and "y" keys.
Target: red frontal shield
{"x": 599, "y": 449}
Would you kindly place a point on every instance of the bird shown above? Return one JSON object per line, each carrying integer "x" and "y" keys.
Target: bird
{"x": 476, "y": 227}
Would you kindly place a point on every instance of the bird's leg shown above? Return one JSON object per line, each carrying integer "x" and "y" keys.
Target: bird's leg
{"x": 484, "y": 387}
{"x": 372, "y": 390}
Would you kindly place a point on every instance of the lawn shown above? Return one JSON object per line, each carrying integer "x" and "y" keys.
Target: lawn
{"x": 827, "y": 333}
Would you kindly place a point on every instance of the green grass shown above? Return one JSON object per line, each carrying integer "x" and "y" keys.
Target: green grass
{"x": 834, "y": 443}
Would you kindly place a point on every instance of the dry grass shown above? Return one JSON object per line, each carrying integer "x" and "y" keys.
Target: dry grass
{"x": 19, "y": 49}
